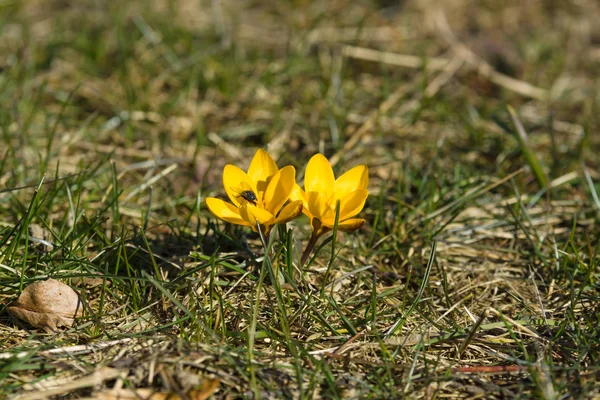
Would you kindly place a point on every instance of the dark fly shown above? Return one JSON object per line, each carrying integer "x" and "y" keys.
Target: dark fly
{"x": 249, "y": 196}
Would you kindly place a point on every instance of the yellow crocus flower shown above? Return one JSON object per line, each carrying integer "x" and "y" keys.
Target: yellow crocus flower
{"x": 322, "y": 192}
{"x": 257, "y": 196}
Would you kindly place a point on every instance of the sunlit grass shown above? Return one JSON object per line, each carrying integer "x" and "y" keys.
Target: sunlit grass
{"x": 475, "y": 274}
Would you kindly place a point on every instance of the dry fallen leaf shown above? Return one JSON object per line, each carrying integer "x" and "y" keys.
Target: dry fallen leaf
{"x": 47, "y": 304}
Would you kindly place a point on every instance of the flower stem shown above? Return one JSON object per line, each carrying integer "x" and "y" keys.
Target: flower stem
{"x": 309, "y": 247}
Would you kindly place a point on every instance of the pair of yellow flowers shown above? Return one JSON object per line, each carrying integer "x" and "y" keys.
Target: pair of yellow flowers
{"x": 267, "y": 195}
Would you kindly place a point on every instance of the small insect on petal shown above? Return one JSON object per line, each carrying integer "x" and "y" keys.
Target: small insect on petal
{"x": 249, "y": 196}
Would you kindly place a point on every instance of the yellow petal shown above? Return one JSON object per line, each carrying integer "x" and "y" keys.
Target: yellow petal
{"x": 225, "y": 211}
{"x": 261, "y": 169}
{"x": 235, "y": 179}
{"x": 289, "y": 212}
{"x": 251, "y": 214}
{"x": 350, "y": 181}
{"x": 297, "y": 193}
{"x": 319, "y": 176}
{"x": 350, "y": 225}
{"x": 279, "y": 189}
{"x": 353, "y": 203}
{"x": 318, "y": 206}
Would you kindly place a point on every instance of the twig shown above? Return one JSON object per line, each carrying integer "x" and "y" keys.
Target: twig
{"x": 489, "y": 369}
{"x": 401, "y": 60}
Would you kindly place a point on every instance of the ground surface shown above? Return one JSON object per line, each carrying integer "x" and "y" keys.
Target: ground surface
{"x": 475, "y": 276}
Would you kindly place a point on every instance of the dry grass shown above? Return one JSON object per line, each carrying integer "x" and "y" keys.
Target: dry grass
{"x": 475, "y": 276}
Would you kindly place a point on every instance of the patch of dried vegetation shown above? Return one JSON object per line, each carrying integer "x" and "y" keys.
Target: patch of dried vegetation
{"x": 512, "y": 285}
